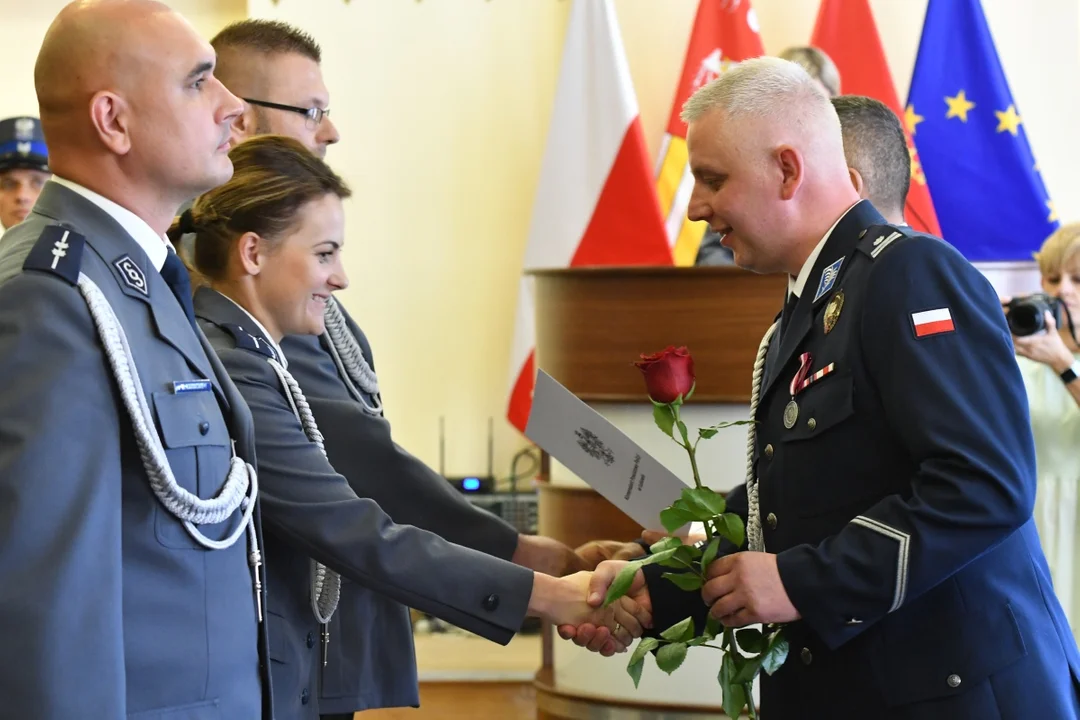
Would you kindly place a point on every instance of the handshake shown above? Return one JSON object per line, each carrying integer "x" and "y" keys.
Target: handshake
{"x": 740, "y": 589}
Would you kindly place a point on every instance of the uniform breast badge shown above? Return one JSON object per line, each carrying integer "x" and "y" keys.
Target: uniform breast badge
{"x": 802, "y": 380}
{"x": 832, "y": 311}
{"x": 791, "y": 410}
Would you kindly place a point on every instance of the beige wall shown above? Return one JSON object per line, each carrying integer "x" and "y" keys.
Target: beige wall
{"x": 23, "y": 24}
{"x": 444, "y": 104}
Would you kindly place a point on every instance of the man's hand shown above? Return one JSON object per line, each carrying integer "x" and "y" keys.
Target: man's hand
{"x": 593, "y": 553}
{"x": 745, "y": 588}
{"x": 547, "y": 556}
{"x": 598, "y": 638}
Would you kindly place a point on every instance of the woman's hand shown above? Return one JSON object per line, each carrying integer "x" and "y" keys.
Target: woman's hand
{"x": 1046, "y": 347}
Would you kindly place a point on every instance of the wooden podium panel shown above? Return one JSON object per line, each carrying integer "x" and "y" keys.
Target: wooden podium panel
{"x": 592, "y": 324}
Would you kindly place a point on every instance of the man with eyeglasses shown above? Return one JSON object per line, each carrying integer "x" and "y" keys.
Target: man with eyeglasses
{"x": 275, "y": 69}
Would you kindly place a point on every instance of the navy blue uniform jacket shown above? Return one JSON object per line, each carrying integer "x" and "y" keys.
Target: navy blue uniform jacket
{"x": 899, "y": 502}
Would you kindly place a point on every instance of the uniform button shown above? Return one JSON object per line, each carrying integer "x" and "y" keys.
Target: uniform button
{"x": 311, "y": 640}
{"x": 807, "y": 656}
{"x": 811, "y": 423}
{"x": 491, "y": 603}
{"x": 954, "y": 681}
{"x": 304, "y": 697}
{"x": 204, "y": 427}
{"x": 771, "y": 519}
{"x": 768, "y": 450}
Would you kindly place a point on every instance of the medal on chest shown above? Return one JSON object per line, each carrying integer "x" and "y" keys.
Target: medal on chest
{"x": 802, "y": 380}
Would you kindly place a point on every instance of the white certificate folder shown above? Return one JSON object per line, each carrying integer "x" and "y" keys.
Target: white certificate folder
{"x": 601, "y": 454}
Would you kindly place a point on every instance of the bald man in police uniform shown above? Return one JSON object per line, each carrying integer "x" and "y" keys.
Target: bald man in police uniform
{"x": 889, "y": 500}
{"x": 130, "y": 568}
{"x": 24, "y": 168}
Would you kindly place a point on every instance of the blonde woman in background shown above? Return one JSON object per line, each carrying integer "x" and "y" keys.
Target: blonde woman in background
{"x": 1049, "y": 362}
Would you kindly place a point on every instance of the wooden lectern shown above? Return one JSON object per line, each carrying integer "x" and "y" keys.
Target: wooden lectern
{"x": 591, "y": 325}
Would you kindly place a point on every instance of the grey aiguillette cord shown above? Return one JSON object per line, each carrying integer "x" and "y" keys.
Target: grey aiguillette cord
{"x": 325, "y": 583}
{"x": 241, "y": 487}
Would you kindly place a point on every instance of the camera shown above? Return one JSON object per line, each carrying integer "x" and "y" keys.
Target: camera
{"x": 1027, "y": 315}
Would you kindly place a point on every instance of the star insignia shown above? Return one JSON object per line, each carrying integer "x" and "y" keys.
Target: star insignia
{"x": 1053, "y": 217}
{"x": 1008, "y": 120}
{"x": 911, "y": 119}
{"x": 959, "y": 106}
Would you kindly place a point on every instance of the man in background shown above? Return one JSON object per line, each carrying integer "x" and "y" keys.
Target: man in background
{"x": 877, "y": 153}
{"x": 24, "y": 168}
{"x": 276, "y": 69}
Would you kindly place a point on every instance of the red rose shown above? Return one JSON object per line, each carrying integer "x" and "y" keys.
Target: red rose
{"x": 668, "y": 373}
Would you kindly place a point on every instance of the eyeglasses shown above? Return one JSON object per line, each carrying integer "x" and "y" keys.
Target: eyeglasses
{"x": 314, "y": 115}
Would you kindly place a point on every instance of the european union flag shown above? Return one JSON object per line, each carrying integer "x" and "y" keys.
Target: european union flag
{"x": 986, "y": 187}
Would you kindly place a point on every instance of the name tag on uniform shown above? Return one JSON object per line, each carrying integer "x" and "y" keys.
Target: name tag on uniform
{"x": 186, "y": 386}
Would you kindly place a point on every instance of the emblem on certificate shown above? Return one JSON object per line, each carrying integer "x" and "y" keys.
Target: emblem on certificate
{"x": 832, "y": 311}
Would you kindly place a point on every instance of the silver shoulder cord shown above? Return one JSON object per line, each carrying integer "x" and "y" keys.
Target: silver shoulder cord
{"x": 754, "y": 537}
{"x": 353, "y": 368}
{"x": 241, "y": 487}
{"x": 325, "y": 583}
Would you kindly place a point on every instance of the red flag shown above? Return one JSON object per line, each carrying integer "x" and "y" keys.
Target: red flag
{"x": 846, "y": 31}
{"x": 595, "y": 204}
{"x": 725, "y": 31}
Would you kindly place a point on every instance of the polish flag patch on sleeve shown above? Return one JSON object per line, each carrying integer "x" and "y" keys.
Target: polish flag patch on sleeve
{"x": 932, "y": 322}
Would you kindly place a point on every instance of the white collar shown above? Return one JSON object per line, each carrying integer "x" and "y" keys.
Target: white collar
{"x": 796, "y": 284}
{"x": 277, "y": 349}
{"x": 155, "y": 246}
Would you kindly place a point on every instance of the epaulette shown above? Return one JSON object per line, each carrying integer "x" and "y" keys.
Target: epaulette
{"x": 876, "y": 239}
{"x": 58, "y": 251}
{"x": 247, "y": 341}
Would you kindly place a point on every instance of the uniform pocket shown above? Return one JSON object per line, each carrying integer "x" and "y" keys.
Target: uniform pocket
{"x": 939, "y": 648}
{"x": 197, "y": 446}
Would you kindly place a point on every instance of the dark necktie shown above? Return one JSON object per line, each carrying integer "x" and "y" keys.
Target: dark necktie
{"x": 176, "y": 276}
{"x": 789, "y": 310}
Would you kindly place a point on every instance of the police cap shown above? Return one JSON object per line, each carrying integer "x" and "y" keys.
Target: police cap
{"x": 22, "y": 145}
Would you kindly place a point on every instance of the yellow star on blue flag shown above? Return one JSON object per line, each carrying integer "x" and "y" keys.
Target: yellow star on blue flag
{"x": 989, "y": 198}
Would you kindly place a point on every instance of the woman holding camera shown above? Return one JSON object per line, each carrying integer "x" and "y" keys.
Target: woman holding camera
{"x": 1050, "y": 361}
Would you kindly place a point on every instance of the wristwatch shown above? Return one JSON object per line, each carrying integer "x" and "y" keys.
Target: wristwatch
{"x": 1071, "y": 373}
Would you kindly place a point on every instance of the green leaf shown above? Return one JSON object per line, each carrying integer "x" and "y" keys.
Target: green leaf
{"x": 777, "y": 653}
{"x": 670, "y": 657}
{"x": 685, "y": 581}
{"x": 713, "y": 627}
{"x": 668, "y": 543}
{"x": 683, "y": 432}
{"x": 748, "y": 669}
{"x": 734, "y": 694}
{"x": 699, "y": 640}
{"x": 692, "y": 388}
{"x": 707, "y": 433}
{"x": 710, "y": 553}
{"x": 730, "y": 526}
{"x": 621, "y": 585}
{"x": 659, "y": 557}
{"x": 673, "y": 518}
{"x": 634, "y": 669}
{"x": 680, "y": 631}
{"x": 706, "y": 502}
{"x": 665, "y": 418}
{"x": 644, "y": 647}
{"x": 681, "y": 558}
{"x": 751, "y": 640}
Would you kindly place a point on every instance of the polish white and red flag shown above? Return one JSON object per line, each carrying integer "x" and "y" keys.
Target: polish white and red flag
{"x": 932, "y": 322}
{"x": 596, "y": 203}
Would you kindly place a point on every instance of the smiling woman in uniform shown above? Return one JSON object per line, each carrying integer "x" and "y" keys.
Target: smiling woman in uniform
{"x": 268, "y": 245}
